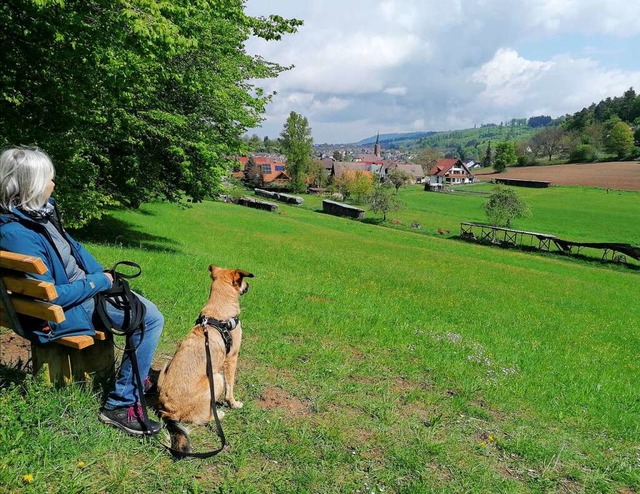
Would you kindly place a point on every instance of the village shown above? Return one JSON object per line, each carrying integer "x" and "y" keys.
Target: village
{"x": 270, "y": 170}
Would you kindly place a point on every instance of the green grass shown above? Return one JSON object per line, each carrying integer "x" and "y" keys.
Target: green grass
{"x": 402, "y": 362}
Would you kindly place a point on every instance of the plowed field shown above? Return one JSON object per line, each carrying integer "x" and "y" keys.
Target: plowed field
{"x": 614, "y": 175}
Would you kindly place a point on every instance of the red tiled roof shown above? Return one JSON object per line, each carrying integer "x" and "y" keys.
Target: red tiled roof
{"x": 272, "y": 177}
{"x": 443, "y": 166}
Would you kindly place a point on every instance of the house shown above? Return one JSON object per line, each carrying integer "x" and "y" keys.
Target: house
{"x": 368, "y": 159}
{"x": 448, "y": 171}
{"x": 415, "y": 171}
{"x": 341, "y": 167}
{"x": 327, "y": 162}
{"x": 270, "y": 174}
{"x": 278, "y": 180}
{"x": 472, "y": 165}
{"x": 267, "y": 164}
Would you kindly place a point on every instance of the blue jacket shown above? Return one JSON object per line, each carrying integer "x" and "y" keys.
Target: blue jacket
{"x": 19, "y": 233}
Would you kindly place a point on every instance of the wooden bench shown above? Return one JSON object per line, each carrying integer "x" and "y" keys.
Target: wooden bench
{"x": 68, "y": 359}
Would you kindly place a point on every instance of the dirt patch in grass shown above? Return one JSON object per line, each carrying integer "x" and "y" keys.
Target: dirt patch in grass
{"x": 276, "y": 398}
{"x": 14, "y": 350}
{"x": 617, "y": 175}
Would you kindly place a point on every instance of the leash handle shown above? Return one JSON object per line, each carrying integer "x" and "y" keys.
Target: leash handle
{"x": 131, "y": 264}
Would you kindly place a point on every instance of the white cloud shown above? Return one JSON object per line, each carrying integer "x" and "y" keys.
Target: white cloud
{"x": 396, "y": 90}
{"x": 363, "y": 66}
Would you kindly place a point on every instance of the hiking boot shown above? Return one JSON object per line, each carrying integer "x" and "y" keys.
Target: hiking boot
{"x": 130, "y": 420}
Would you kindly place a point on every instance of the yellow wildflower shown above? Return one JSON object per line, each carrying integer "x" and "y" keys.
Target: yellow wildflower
{"x": 81, "y": 464}
{"x": 28, "y": 478}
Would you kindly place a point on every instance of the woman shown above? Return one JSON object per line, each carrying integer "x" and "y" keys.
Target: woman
{"x": 29, "y": 224}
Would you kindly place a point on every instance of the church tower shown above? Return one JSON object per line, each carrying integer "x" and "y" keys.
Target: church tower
{"x": 377, "y": 149}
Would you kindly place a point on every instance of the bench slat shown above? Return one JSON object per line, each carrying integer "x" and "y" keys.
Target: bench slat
{"x": 77, "y": 342}
{"x": 33, "y": 288}
{"x": 38, "y": 308}
{"x": 20, "y": 262}
{"x": 100, "y": 336}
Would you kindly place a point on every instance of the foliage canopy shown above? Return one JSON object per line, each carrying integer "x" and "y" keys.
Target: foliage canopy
{"x": 297, "y": 146}
{"x": 134, "y": 100}
{"x": 504, "y": 205}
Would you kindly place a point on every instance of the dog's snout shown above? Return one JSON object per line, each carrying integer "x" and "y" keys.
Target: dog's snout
{"x": 245, "y": 289}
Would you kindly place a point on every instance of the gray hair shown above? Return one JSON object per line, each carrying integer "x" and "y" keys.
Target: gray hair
{"x": 24, "y": 175}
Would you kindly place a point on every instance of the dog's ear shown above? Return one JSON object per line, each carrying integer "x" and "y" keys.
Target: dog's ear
{"x": 239, "y": 275}
{"x": 213, "y": 269}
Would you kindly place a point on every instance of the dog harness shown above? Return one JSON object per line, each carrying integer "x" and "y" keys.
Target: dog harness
{"x": 223, "y": 327}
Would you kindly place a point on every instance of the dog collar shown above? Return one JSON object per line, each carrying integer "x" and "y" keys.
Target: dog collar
{"x": 223, "y": 327}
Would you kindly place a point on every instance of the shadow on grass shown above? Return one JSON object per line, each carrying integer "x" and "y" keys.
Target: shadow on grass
{"x": 112, "y": 231}
{"x": 606, "y": 263}
{"x": 13, "y": 374}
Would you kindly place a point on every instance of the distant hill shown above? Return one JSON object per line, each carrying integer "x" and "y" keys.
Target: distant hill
{"x": 394, "y": 138}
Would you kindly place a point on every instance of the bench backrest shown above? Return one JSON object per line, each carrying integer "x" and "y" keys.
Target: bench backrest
{"x": 24, "y": 295}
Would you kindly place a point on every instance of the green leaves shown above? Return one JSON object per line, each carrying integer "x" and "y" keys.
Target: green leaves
{"x": 134, "y": 100}
{"x": 297, "y": 145}
{"x": 504, "y": 205}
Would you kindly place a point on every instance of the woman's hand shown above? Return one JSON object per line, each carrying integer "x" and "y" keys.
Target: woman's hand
{"x": 109, "y": 277}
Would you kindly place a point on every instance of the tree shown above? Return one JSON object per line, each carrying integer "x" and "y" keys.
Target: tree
{"x": 399, "y": 178}
{"x": 540, "y": 121}
{"x": 488, "y": 156}
{"x": 505, "y": 156}
{"x": 133, "y": 100}
{"x": 620, "y": 139}
{"x": 504, "y": 205}
{"x": 547, "y": 142}
{"x": 362, "y": 186}
{"x": 383, "y": 200}
{"x": 317, "y": 175}
{"x": 356, "y": 184}
{"x": 253, "y": 173}
{"x": 427, "y": 157}
{"x": 297, "y": 146}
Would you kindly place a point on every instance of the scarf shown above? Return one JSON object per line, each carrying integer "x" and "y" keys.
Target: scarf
{"x": 40, "y": 215}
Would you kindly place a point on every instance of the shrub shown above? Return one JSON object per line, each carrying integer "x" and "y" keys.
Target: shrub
{"x": 525, "y": 160}
{"x": 584, "y": 153}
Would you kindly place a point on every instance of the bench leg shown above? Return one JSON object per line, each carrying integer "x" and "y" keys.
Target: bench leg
{"x": 61, "y": 365}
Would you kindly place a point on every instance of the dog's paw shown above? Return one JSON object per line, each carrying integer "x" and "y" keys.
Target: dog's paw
{"x": 221, "y": 414}
{"x": 235, "y": 404}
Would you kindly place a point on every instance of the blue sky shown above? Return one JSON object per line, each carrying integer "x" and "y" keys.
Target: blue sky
{"x": 369, "y": 66}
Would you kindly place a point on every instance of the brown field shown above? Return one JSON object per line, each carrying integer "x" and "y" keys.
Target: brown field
{"x": 619, "y": 175}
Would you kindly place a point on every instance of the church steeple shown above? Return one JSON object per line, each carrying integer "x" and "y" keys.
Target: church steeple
{"x": 377, "y": 148}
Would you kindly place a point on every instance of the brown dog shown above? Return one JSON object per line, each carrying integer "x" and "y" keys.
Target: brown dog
{"x": 183, "y": 388}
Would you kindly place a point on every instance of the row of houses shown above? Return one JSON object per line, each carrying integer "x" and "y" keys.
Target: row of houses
{"x": 447, "y": 171}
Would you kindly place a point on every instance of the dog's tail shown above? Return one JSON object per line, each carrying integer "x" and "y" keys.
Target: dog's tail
{"x": 179, "y": 435}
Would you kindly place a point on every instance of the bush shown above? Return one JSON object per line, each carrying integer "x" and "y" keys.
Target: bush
{"x": 525, "y": 160}
{"x": 584, "y": 153}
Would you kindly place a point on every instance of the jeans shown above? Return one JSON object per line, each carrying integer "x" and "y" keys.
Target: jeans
{"x": 125, "y": 392}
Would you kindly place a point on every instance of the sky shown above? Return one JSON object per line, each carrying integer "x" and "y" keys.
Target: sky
{"x": 363, "y": 67}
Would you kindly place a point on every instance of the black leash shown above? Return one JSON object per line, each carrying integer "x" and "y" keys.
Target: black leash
{"x": 122, "y": 298}
{"x": 214, "y": 408}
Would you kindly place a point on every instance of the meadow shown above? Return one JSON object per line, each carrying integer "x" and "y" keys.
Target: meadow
{"x": 375, "y": 359}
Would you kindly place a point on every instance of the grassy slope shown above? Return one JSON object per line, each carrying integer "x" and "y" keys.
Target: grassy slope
{"x": 403, "y": 362}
